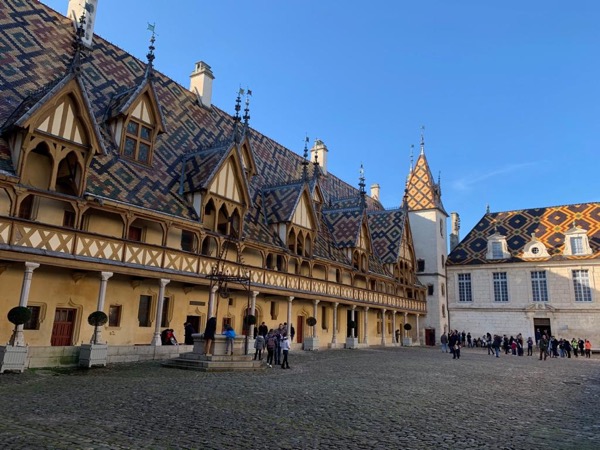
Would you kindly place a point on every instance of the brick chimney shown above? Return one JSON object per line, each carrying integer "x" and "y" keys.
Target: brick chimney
{"x": 201, "y": 83}
{"x": 76, "y": 9}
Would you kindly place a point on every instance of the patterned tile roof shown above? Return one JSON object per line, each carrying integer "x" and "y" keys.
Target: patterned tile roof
{"x": 421, "y": 190}
{"x": 280, "y": 201}
{"x": 36, "y": 50}
{"x": 548, "y": 224}
{"x": 387, "y": 228}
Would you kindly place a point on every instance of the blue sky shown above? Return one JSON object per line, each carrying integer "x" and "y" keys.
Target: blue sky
{"x": 508, "y": 92}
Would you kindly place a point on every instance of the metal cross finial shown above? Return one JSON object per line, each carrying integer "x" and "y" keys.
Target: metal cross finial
{"x": 412, "y": 147}
{"x": 422, "y": 139}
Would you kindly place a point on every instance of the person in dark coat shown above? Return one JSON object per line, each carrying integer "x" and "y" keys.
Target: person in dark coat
{"x": 188, "y": 331}
{"x": 209, "y": 335}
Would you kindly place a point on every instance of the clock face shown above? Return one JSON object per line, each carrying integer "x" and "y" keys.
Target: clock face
{"x": 535, "y": 250}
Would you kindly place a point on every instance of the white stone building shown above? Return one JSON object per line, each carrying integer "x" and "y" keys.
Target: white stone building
{"x": 521, "y": 270}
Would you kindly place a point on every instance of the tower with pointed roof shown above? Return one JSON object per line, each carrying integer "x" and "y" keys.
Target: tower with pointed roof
{"x": 427, "y": 218}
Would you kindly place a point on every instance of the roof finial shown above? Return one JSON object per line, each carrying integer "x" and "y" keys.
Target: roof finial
{"x": 236, "y": 117}
{"x": 305, "y": 161}
{"x": 247, "y": 108}
{"x": 422, "y": 139}
{"x": 361, "y": 185}
{"x": 151, "y": 48}
{"x": 78, "y": 44}
{"x": 412, "y": 147}
{"x": 316, "y": 171}
{"x": 487, "y": 209}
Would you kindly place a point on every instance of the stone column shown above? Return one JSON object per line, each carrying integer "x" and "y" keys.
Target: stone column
{"x": 252, "y": 312}
{"x": 104, "y": 276}
{"x": 353, "y": 330}
{"x": 289, "y": 317}
{"x": 394, "y": 340}
{"x": 159, "y": 306}
{"x": 383, "y": 324}
{"x": 404, "y": 332}
{"x": 335, "y": 320}
{"x": 315, "y": 303}
{"x": 27, "y": 275}
{"x": 211, "y": 301}
{"x": 366, "y": 321}
{"x": 418, "y": 332}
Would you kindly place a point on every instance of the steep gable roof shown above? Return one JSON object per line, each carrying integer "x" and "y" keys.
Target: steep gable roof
{"x": 387, "y": 229}
{"x": 421, "y": 190}
{"x": 549, "y": 225}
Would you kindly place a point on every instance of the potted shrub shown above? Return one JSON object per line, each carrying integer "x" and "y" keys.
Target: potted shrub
{"x": 311, "y": 342}
{"x": 407, "y": 340}
{"x": 95, "y": 353}
{"x": 14, "y": 355}
{"x": 352, "y": 341}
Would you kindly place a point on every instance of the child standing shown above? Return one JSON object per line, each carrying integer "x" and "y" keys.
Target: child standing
{"x": 229, "y": 337}
{"x": 259, "y": 345}
{"x": 456, "y": 351}
{"x": 285, "y": 346}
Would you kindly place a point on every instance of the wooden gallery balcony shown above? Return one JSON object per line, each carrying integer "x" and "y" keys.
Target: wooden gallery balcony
{"x": 22, "y": 240}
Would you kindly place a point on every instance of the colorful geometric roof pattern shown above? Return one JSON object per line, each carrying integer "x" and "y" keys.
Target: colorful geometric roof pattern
{"x": 421, "y": 191}
{"x": 280, "y": 201}
{"x": 35, "y": 54}
{"x": 387, "y": 228}
{"x": 548, "y": 224}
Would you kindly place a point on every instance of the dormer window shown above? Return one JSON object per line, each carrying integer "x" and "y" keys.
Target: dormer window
{"x": 576, "y": 242}
{"x": 138, "y": 141}
{"x": 535, "y": 249}
{"x": 497, "y": 248}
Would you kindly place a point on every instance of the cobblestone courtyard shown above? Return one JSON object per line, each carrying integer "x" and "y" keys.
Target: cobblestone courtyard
{"x": 392, "y": 398}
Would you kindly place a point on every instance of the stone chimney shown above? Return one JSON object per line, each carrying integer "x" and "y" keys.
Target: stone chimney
{"x": 319, "y": 152}
{"x": 201, "y": 83}
{"x": 375, "y": 192}
{"x": 454, "y": 232}
{"x": 76, "y": 9}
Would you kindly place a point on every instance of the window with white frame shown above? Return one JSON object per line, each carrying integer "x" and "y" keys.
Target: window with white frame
{"x": 497, "y": 252}
{"x": 464, "y": 287}
{"x": 577, "y": 245}
{"x": 539, "y": 288}
{"x": 581, "y": 283}
{"x": 500, "y": 287}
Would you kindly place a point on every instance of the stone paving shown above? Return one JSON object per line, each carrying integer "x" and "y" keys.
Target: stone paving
{"x": 381, "y": 398}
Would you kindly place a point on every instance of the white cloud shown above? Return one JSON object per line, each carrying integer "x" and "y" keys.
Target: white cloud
{"x": 466, "y": 183}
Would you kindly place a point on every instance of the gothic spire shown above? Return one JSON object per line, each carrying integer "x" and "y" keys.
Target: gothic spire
{"x": 78, "y": 45}
{"x": 361, "y": 185}
{"x": 305, "y": 161}
{"x": 150, "y": 54}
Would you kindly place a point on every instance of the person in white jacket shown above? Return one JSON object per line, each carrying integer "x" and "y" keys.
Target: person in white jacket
{"x": 285, "y": 346}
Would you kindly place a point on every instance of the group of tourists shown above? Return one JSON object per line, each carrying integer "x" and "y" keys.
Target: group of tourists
{"x": 275, "y": 342}
{"x": 546, "y": 344}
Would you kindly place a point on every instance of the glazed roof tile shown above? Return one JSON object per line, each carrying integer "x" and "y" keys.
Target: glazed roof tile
{"x": 549, "y": 225}
{"x": 36, "y": 45}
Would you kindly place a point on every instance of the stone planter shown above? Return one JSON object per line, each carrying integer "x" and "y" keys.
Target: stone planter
{"x": 407, "y": 342}
{"x": 351, "y": 342}
{"x": 311, "y": 343}
{"x": 93, "y": 355}
{"x": 12, "y": 358}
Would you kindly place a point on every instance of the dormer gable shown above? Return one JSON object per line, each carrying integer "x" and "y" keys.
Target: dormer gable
{"x": 535, "y": 248}
{"x": 497, "y": 247}
{"x": 304, "y": 213}
{"x": 61, "y": 111}
{"x": 136, "y": 120}
{"x": 576, "y": 242}
{"x": 247, "y": 157}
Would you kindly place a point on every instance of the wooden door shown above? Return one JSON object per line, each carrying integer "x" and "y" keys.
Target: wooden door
{"x": 62, "y": 330}
{"x": 300, "y": 330}
{"x": 429, "y": 336}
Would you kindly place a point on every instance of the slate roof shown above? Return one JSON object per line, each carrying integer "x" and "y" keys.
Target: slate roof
{"x": 549, "y": 225}
{"x": 36, "y": 51}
